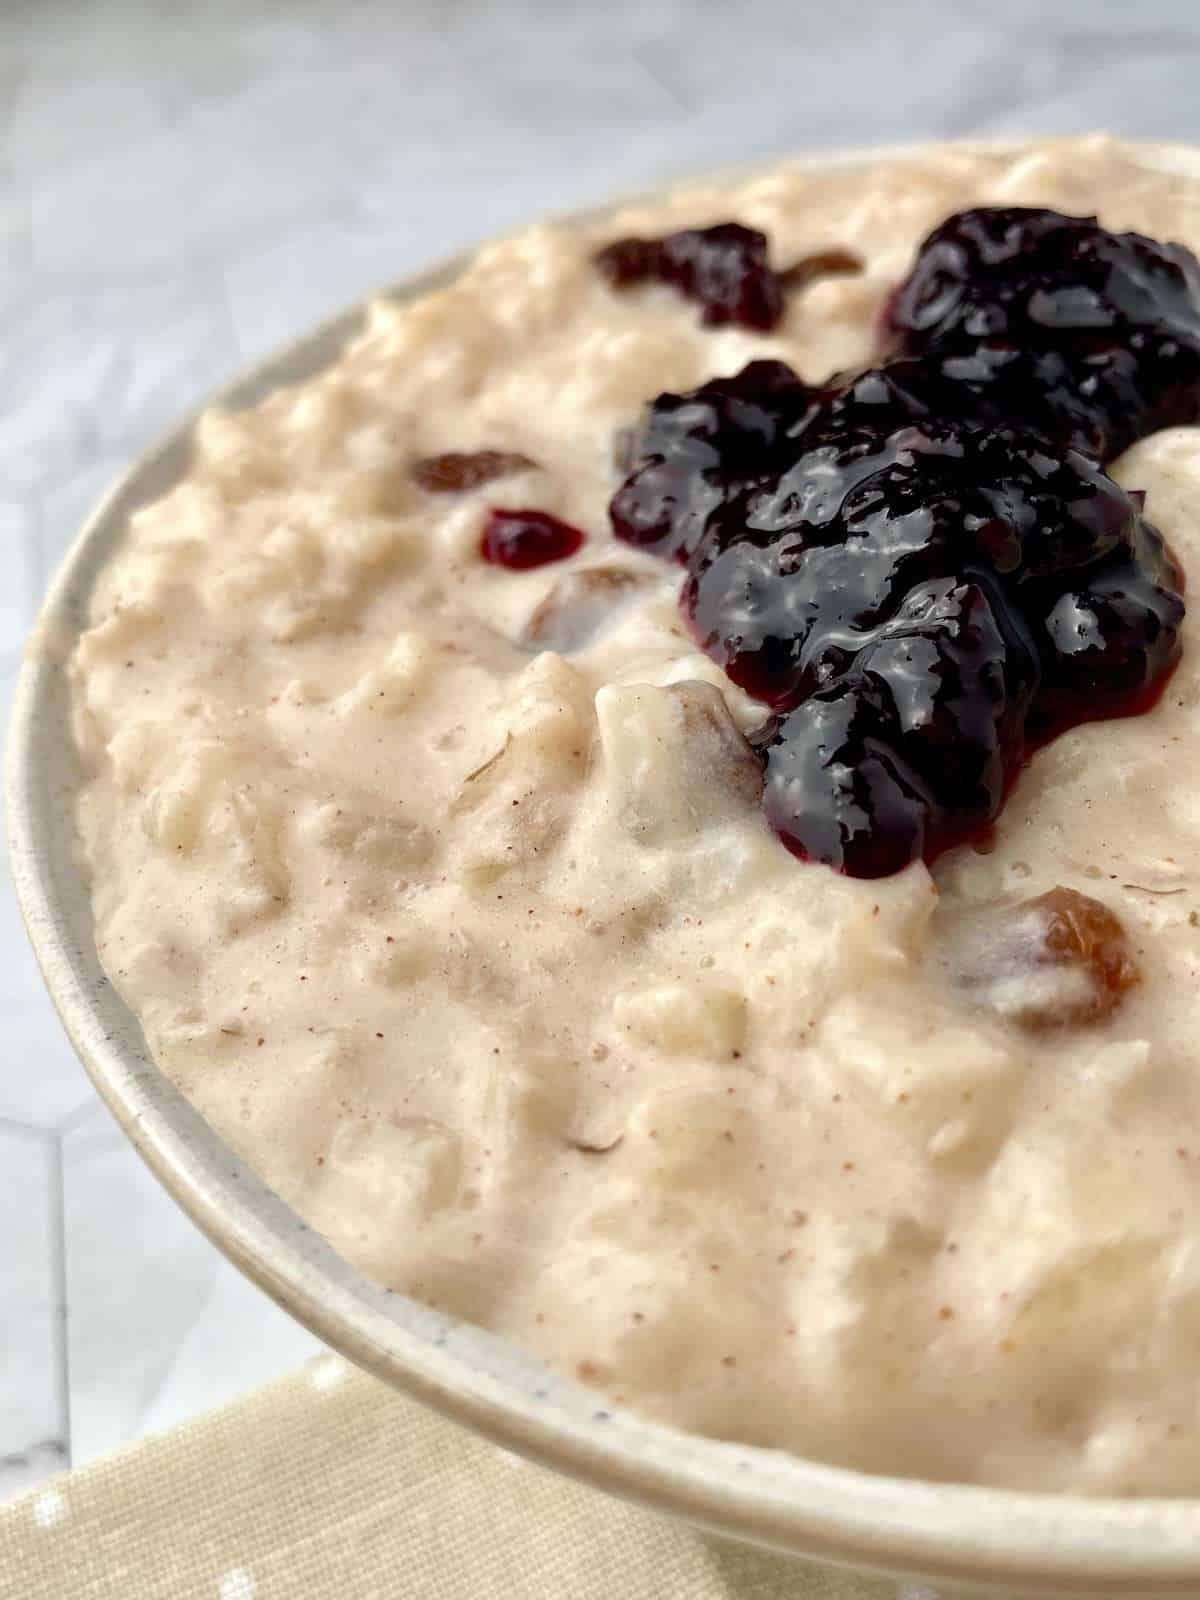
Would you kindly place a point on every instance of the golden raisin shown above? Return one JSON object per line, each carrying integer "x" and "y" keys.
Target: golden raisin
{"x": 1060, "y": 960}
{"x": 1084, "y": 932}
{"x": 578, "y": 606}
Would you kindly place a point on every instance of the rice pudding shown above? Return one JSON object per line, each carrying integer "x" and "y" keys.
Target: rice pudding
{"x": 428, "y": 845}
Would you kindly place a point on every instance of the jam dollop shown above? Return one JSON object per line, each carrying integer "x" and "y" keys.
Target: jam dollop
{"x": 520, "y": 540}
{"x": 919, "y": 599}
{"x": 1092, "y": 337}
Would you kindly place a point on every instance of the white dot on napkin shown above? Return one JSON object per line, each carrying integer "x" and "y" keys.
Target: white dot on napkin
{"x": 328, "y": 1373}
{"x": 237, "y": 1584}
{"x": 49, "y": 1509}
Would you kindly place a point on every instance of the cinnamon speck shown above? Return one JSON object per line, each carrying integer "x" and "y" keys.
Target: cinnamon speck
{"x": 946, "y": 1314}
{"x": 729, "y": 1361}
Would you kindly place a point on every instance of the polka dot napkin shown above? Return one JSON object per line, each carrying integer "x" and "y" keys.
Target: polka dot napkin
{"x": 329, "y": 1486}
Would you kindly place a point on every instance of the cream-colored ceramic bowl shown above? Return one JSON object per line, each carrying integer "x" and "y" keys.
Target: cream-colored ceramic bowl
{"x": 966, "y": 1538}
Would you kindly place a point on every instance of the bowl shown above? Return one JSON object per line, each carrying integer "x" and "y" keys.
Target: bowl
{"x": 973, "y": 1539}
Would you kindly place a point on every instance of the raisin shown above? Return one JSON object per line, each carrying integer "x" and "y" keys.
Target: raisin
{"x": 578, "y": 606}
{"x": 1061, "y": 960}
{"x": 723, "y": 268}
{"x": 457, "y": 471}
{"x": 821, "y": 264}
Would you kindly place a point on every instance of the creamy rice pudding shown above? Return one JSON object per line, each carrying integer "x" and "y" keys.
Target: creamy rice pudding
{"x": 429, "y": 847}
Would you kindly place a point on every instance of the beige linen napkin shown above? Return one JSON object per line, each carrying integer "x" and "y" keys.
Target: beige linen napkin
{"x": 329, "y": 1486}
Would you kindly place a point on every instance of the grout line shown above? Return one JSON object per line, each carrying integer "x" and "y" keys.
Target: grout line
{"x": 27, "y": 1130}
{"x": 58, "y": 1271}
{"x": 225, "y": 296}
{"x": 643, "y": 56}
{"x": 79, "y": 1115}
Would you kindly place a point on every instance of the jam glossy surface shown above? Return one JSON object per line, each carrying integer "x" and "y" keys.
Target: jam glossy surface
{"x": 919, "y": 600}
{"x": 1091, "y": 337}
{"x": 698, "y": 452}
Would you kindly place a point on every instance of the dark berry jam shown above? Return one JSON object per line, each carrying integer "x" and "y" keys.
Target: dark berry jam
{"x": 919, "y": 599}
{"x": 524, "y": 539}
{"x": 1091, "y": 337}
{"x": 724, "y": 269}
{"x": 695, "y": 451}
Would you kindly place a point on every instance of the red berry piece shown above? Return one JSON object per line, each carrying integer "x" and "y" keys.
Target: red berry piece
{"x": 524, "y": 539}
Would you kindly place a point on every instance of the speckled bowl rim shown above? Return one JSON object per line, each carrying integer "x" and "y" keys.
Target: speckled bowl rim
{"x": 946, "y": 1533}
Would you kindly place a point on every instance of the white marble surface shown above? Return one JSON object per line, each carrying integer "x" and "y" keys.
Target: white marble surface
{"x": 182, "y": 187}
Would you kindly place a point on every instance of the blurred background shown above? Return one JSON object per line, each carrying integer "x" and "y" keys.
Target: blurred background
{"x": 185, "y": 186}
